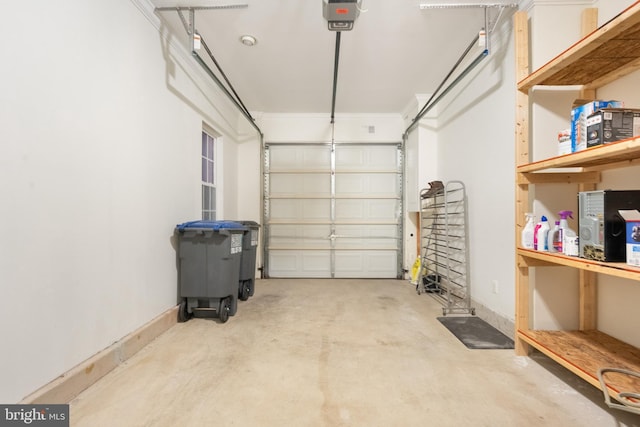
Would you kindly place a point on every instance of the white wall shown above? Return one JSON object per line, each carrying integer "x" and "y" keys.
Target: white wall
{"x": 99, "y": 160}
{"x": 476, "y": 125}
{"x": 313, "y": 127}
{"x": 421, "y": 160}
{"x": 553, "y": 28}
{"x": 421, "y": 151}
{"x": 250, "y": 186}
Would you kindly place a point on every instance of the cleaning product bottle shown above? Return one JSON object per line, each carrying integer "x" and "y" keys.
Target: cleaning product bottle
{"x": 554, "y": 234}
{"x": 527, "y": 232}
{"x": 569, "y": 242}
{"x": 558, "y": 239}
{"x": 541, "y": 235}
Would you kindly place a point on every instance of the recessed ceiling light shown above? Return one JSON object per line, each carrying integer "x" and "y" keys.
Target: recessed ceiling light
{"x": 248, "y": 40}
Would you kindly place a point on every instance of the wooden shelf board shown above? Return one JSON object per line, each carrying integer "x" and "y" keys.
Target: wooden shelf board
{"x": 625, "y": 150}
{"x": 618, "y": 269}
{"x": 604, "y": 55}
{"x": 585, "y": 352}
{"x": 559, "y": 177}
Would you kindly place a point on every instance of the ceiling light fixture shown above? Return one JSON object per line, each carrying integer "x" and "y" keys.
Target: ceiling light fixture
{"x": 248, "y": 40}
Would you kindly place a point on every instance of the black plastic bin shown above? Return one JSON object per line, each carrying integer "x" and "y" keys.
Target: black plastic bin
{"x": 210, "y": 255}
{"x": 247, "y": 281}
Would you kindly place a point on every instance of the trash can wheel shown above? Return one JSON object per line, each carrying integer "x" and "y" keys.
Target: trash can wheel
{"x": 183, "y": 312}
{"x": 224, "y": 309}
{"x": 245, "y": 290}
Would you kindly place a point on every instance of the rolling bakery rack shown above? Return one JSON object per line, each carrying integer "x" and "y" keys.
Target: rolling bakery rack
{"x": 444, "y": 267}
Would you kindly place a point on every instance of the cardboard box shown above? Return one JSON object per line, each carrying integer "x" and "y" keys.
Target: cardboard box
{"x": 612, "y": 124}
{"x": 632, "y": 237}
{"x": 579, "y": 116}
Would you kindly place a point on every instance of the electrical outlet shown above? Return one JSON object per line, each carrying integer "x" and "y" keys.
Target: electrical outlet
{"x": 494, "y": 283}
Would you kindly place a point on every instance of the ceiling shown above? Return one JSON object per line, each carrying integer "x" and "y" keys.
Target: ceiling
{"x": 395, "y": 51}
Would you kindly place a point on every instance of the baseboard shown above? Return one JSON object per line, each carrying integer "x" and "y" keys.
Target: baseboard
{"x": 67, "y": 386}
{"x": 496, "y": 320}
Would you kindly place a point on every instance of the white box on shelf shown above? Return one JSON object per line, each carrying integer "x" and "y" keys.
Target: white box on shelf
{"x": 564, "y": 142}
{"x": 632, "y": 219}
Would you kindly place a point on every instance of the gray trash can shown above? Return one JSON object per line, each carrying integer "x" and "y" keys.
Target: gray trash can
{"x": 210, "y": 255}
{"x": 247, "y": 281}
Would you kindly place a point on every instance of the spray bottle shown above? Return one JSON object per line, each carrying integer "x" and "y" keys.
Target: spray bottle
{"x": 541, "y": 234}
{"x": 569, "y": 242}
{"x": 555, "y": 235}
{"x": 527, "y": 232}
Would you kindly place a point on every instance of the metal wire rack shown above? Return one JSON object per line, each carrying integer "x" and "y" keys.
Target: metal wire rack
{"x": 444, "y": 270}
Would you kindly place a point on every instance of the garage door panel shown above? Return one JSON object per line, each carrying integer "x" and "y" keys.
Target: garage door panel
{"x": 353, "y": 158}
{"x": 365, "y": 244}
{"x": 370, "y": 184}
{"x": 364, "y": 264}
{"x": 316, "y": 264}
{"x": 300, "y": 157}
{"x": 300, "y": 209}
{"x": 366, "y": 236}
{"x": 302, "y": 184}
{"x": 366, "y": 210}
{"x": 300, "y": 236}
{"x": 383, "y": 157}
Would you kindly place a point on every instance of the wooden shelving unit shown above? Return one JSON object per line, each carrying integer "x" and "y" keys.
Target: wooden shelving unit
{"x": 602, "y": 56}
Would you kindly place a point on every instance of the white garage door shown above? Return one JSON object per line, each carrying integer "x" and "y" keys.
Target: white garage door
{"x": 333, "y": 210}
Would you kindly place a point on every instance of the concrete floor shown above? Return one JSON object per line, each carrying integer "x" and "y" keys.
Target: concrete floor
{"x": 332, "y": 353}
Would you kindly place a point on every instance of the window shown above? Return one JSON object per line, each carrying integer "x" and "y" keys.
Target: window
{"x": 208, "y": 177}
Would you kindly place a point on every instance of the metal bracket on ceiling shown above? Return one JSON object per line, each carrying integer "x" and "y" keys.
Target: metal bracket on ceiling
{"x": 224, "y": 6}
{"x": 190, "y": 25}
{"x": 462, "y": 5}
{"x": 489, "y": 25}
{"x": 197, "y": 42}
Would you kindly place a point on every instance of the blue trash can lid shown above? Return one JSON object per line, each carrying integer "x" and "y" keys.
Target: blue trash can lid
{"x": 210, "y": 225}
{"x": 251, "y": 224}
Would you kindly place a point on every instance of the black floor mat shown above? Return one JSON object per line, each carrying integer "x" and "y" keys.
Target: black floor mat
{"x": 475, "y": 333}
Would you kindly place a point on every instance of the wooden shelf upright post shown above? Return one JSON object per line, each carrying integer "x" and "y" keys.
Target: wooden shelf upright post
{"x": 521, "y": 31}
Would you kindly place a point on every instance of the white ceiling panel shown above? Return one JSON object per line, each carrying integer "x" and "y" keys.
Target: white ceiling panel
{"x": 395, "y": 51}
